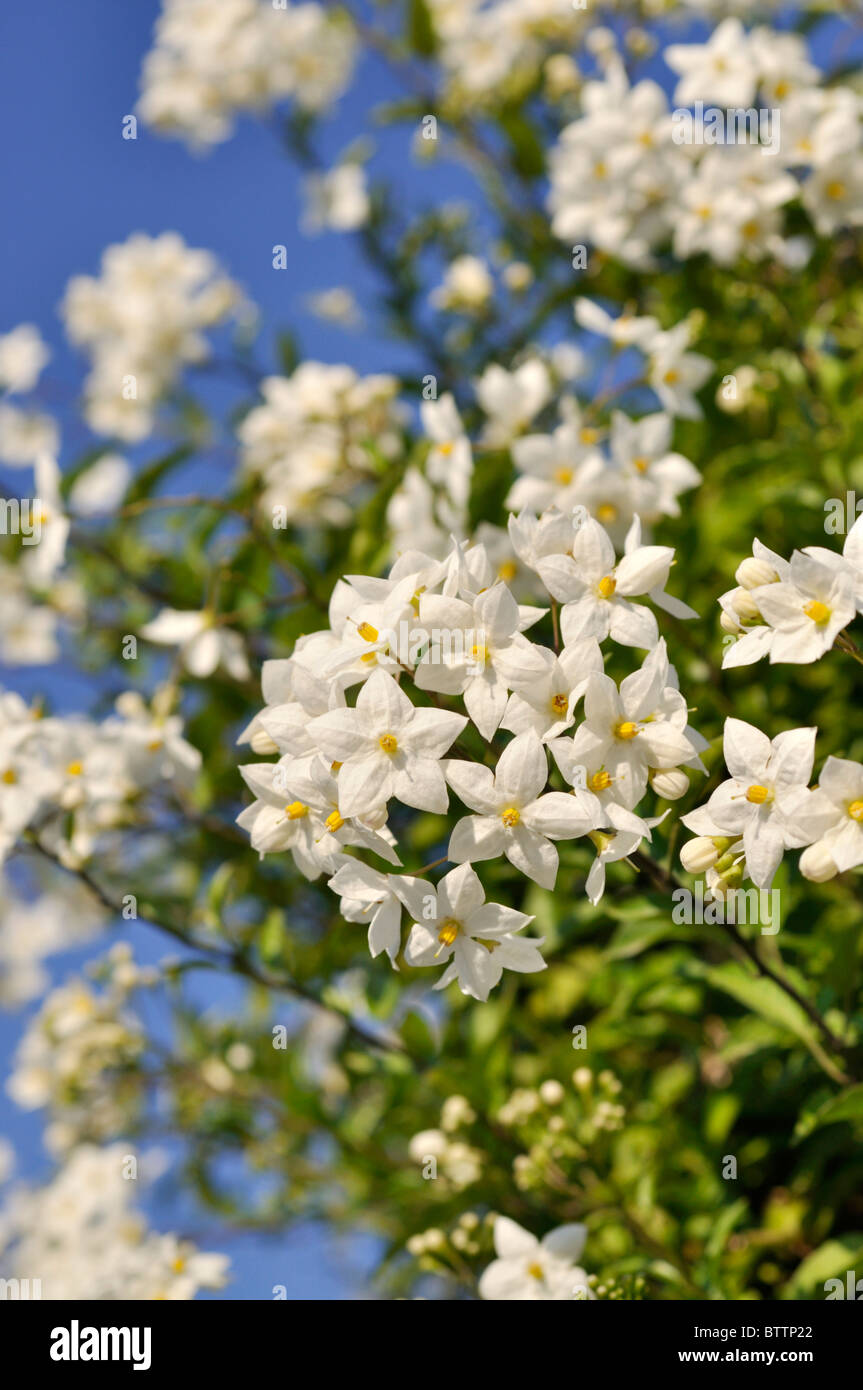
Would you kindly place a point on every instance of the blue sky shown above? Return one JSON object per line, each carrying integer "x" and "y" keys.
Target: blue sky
{"x": 69, "y": 75}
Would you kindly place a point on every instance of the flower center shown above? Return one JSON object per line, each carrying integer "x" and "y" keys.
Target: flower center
{"x": 606, "y": 512}
{"x": 835, "y": 189}
{"x": 606, "y": 586}
{"x": 817, "y": 611}
{"x": 334, "y": 767}
{"x": 388, "y": 742}
{"x": 757, "y": 794}
{"x": 507, "y": 571}
{"x": 334, "y": 822}
{"x": 640, "y": 464}
{"x": 448, "y": 932}
{"x": 625, "y": 729}
{"x": 535, "y": 1270}
{"x": 588, "y": 435}
{"x": 600, "y": 781}
{"x": 296, "y": 810}
{"x": 510, "y": 816}
{"x": 671, "y": 377}
{"x": 74, "y": 769}
{"x": 563, "y": 476}
{"x": 10, "y": 777}
{"x": 367, "y": 632}
{"x": 559, "y": 703}
{"x": 479, "y": 652}
{"x": 855, "y": 810}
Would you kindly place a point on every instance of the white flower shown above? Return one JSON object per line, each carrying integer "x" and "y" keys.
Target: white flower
{"x": 595, "y": 590}
{"x": 676, "y": 374}
{"x": 387, "y": 748}
{"x": 22, "y": 357}
{"x": 512, "y": 399}
{"x": 546, "y": 702}
{"x": 834, "y": 820}
{"x": 766, "y": 795}
{"x": 25, "y": 435}
{"x": 203, "y": 644}
{"x": 336, "y": 201}
{"x": 42, "y": 562}
{"x": 806, "y": 610}
{"x": 454, "y": 923}
{"x": 626, "y": 330}
{"x": 467, "y": 286}
{"x": 487, "y": 652}
{"x": 100, "y": 490}
{"x": 628, "y": 733}
{"x": 374, "y": 898}
{"x": 528, "y": 1270}
{"x": 514, "y": 817}
{"x": 723, "y": 70}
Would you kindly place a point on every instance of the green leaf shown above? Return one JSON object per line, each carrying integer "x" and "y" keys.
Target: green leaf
{"x": 831, "y": 1260}
{"x": 420, "y": 29}
{"x": 848, "y": 1105}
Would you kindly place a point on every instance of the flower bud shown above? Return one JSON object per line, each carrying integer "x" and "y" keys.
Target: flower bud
{"x": 671, "y": 784}
{"x": 745, "y": 607}
{"x": 551, "y": 1092}
{"x": 751, "y": 573}
{"x": 699, "y": 854}
{"x": 729, "y": 623}
{"x": 260, "y": 742}
{"x": 816, "y": 863}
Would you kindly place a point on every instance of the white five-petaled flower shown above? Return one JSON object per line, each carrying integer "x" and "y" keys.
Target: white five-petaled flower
{"x": 513, "y": 816}
{"x": 835, "y": 821}
{"x": 203, "y": 645}
{"x": 454, "y": 923}
{"x": 387, "y": 748}
{"x": 596, "y": 590}
{"x": 486, "y": 654}
{"x": 807, "y": 609}
{"x": 546, "y": 702}
{"x": 528, "y": 1270}
{"x": 766, "y": 798}
{"x": 676, "y": 374}
{"x": 375, "y": 899}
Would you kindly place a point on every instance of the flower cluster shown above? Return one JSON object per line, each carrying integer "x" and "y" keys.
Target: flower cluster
{"x": 24, "y": 433}
{"x": 69, "y": 780}
{"x": 766, "y": 806}
{"x": 309, "y": 442}
{"x": 630, "y": 176}
{"x": 141, "y": 322}
{"x": 436, "y": 638}
{"x": 83, "y": 1235}
{"x": 793, "y": 610}
{"x": 211, "y": 62}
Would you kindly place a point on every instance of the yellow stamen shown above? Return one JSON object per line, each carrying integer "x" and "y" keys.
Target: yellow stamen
{"x": 510, "y": 817}
{"x": 507, "y": 571}
{"x": 606, "y": 586}
{"x": 817, "y": 611}
{"x": 563, "y": 476}
{"x": 671, "y": 377}
{"x": 296, "y": 810}
{"x": 178, "y": 1265}
{"x": 154, "y": 745}
{"x": 606, "y": 512}
{"x": 74, "y": 769}
{"x": 334, "y": 767}
{"x": 835, "y": 189}
{"x": 559, "y": 703}
{"x": 479, "y": 652}
{"x": 757, "y": 794}
{"x": 10, "y": 777}
{"x": 855, "y": 810}
{"x": 535, "y": 1270}
{"x": 600, "y": 781}
{"x": 388, "y": 742}
{"x": 367, "y": 632}
{"x": 448, "y": 932}
{"x": 334, "y": 822}
{"x": 640, "y": 464}
{"x": 588, "y": 435}
{"x": 626, "y": 730}
{"x": 446, "y": 448}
